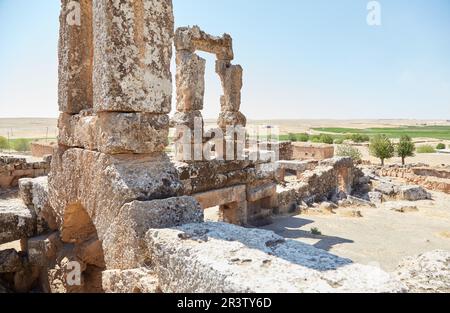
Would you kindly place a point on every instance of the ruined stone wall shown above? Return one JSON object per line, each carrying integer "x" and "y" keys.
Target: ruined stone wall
{"x": 40, "y": 150}
{"x": 241, "y": 184}
{"x": 110, "y": 179}
{"x": 190, "y": 82}
{"x": 430, "y": 178}
{"x": 308, "y": 151}
{"x": 12, "y": 169}
{"x": 331, "y": 180}
{"x": 113, "y": 202}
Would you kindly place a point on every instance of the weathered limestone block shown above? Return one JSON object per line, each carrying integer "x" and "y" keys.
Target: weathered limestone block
{"x": 115, "y": 133}
{"x": 190, "y": 81}
{"x": 426, "y": 273}
{"x": 213, "y": 180}
{"x": 34, "y": 193}
{"x": 10, "y": 261}
{"x": 17, "y": 221}
{"x": 124, "y": 243}
{"x": 298, "y": 166}
{"x": 57, "y": 278}
{"x": 375, "y": 197}
{"x": 133, "y": 50}
{"x": 211, "y": 168}
{"x": 190, "y": 120}
{"x": 75, "y": 56}
{"x": 99, "y": 185}
{"x": 132, "y": 133}
{"x": 231, "y": 78}
{"x": 78, "y": 130}
{"x": 216, "y": 257}
{"x": 140, "y": 280}
{"x": 230, "y": 119}
{"x": 387, "y": 189}
{"x": 267, "y": 190}
{"x": 287, "y": 200}
{"x": 193, "y": 38}
{"x": 223, "y": 196}
{"x": 414, "y": 193}
{"x": 43, "y": 250}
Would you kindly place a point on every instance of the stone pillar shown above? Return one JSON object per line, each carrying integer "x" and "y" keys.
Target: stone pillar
{"x": 231, "y": 78}
{"x": 112, "y": 150}
{"x": 230, "y": 116}
{"x": 75, "y": 54}
{"x": 188, "y": 120}
{"x": 132, "y": 53}
{"x": 190, "y": 81}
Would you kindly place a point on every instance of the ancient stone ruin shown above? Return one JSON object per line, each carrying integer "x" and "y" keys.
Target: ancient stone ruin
{"x": 118, "y": 214}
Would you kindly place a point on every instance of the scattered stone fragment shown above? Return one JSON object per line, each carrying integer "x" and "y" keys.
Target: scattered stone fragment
{"x": 17, "y": 221}
{"x": 10, "y": 261}
{"x": 414, "y": 193}
{"x": 139, "y": 280}
{"x": 426, "y": 273}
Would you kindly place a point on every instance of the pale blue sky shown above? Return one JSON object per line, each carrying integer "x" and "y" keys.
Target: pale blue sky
{"x": 301, "y": 59}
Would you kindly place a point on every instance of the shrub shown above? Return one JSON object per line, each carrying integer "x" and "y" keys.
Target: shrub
{"x": 303, "y": 137}
{"x": 348, "y": 136}
{"x": 440, "y": 146}
{"x": 315, "y": 231}
{"x": 426, "y": 149}
{"x": 349, "y": 151}
{"x": 326, "y": 139}
{"x": 4, "y": 143}
{"x": 405, "y": 148}
{"x": 21, "y": 145}
{"x": 360, "y": 138}
{"x": 315, "y": 139}
{"x": 339, "y": 141}
{"x": 292, "y": 137}
{"x": 382, "y": 148}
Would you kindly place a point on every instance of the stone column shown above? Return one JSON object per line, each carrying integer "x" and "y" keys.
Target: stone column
{"x": 231, "y": 78}
{"x": 230, "y": 116}
{"x": 112, "y": 151}
{"x": 132, "y": 53}
{"x": 188, "y": 120}
{"x": 75, "y": 54}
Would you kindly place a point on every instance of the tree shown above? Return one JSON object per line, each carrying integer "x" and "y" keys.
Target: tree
{"x": 357, "y": 138}
{"x": 21, "y": 145}
{"x": 303, "y": 137}
{"x": 4, "y": 143}
{"x": 440, "y": 146}
{"x": 405, "y": 148}
{"x": 324, "y": 138}
{"x": 382, "y": 148}
{"x": 349, "y": 151}
{"x": 292, "y": 137}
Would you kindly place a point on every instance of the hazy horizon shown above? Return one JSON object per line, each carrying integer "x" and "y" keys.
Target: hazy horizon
{"x": 311, "y": 60}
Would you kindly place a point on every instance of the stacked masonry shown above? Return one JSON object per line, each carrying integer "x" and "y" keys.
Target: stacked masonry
{"x": 190, "y": 82}
{"x": 211, "y": 170}
{"x": 111, "y": 203}
{"x": 110, "y": 179}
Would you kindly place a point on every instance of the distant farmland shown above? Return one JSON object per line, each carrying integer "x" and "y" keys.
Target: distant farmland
{"x": 435, "y": 132}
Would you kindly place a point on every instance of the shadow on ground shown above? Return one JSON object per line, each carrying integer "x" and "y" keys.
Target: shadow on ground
{"x": 289, "y": 228}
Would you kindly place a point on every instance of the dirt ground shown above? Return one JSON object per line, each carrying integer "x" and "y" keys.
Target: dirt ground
{"x": 37, "y": 127}
{"x": 28, "y": 127}
{"x": 380, "y": 237}
{"x": 432, "y": 159}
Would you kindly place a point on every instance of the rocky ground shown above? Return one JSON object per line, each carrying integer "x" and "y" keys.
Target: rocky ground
{"x": 381, "y": 235}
